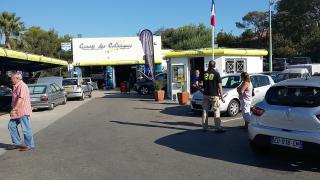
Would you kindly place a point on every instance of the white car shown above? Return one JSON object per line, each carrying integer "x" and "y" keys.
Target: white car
{"x": 289, "y": 117}
{"x": 260, "y": 82}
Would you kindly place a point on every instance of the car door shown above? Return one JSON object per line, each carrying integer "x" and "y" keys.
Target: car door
{"x": 54, "y": 94}
{"x": 60, "y": 93}
{"x": 261, "y": 85}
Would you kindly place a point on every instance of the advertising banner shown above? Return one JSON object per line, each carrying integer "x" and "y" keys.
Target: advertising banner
{"x": 111, "y": 51}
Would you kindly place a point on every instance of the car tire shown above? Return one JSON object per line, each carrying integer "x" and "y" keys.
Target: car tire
{"x": 233, "y": 108}
{"x": 257, "y": 148}
{"x": 64, "y": 101}
{"x": 144, "y": 90}
{"x": 51, "y": 107}
{"x": 82, "y": 97}
{"x": 90, "y": 94}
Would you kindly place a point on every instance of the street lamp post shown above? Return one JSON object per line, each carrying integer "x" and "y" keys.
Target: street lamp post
{"x": 270, "y": 35}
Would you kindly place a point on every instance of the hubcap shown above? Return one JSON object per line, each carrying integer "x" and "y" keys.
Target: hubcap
{"x": 144, "y": 90}
{"x": 234, "y": 108}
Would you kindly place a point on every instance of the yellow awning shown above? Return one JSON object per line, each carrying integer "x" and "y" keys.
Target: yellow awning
{"x": 219, "y": 52}
{"x": 22, "y": 56}
{"x": 112, "y": 62}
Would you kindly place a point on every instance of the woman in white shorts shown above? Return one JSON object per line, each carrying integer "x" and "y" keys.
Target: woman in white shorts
{"x": 245, "y": 96}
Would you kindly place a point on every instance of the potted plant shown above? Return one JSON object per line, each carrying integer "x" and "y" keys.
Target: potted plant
{"x": 183, "y": 97}
{"x": 159, "y": 92}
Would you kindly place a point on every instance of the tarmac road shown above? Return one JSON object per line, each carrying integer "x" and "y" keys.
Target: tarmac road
{"x": 132, "y": 137}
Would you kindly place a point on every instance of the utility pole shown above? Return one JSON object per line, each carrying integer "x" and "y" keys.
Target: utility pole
{"x": 270, "y": 35}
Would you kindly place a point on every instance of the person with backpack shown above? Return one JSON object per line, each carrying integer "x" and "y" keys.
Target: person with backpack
{"x": 245, "y": 91}
{"x": 212, "y": 95}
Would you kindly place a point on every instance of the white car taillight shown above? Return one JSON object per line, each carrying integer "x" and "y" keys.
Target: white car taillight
{"x": 257, "y": 111}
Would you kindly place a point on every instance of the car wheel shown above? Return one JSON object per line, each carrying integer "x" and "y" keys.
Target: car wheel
{"x": 64, "y": 100}
{"x": 233, "y": 108}
{"x": 82, "y": 97}
{"x": 90, "y": 94}
{"x": 144, "y": 90}
{"x": 257, "y": 148}
{"x": 51, "y": 106}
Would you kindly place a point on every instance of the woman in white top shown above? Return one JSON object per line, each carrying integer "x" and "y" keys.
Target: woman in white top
{"x": 245, "y": 96}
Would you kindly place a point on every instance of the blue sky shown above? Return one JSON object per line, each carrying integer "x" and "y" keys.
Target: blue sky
{"x": 100, "y": 18}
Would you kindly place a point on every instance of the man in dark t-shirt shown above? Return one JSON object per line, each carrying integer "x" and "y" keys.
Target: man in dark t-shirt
{"x": 212, "y": 95}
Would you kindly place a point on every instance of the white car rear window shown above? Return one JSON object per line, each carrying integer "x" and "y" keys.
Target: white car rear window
{"x": 295, "y": 96}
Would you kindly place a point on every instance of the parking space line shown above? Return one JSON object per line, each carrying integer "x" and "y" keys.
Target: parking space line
{"x": 235, "y": 119}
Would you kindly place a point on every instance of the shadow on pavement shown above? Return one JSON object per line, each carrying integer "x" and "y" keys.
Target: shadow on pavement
{"x": 184, "y": 111}
{"x": 147, "y": 125}
{"x": 233, "y": 147}
{"x": 191, "y": 124}
{"x": 4, "y": 146}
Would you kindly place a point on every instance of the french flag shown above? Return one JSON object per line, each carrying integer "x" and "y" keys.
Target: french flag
{"x": 213, "y": 14}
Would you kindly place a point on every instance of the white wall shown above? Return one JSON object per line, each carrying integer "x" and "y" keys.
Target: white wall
{"x": 100, "y": 50}
{"x": 253, "y": 64}
{"x": 173, "y": 90}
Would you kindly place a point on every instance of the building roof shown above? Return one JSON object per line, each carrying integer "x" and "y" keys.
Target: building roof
{"x": 12, "y": 58}
{"x": 219, "y": 52}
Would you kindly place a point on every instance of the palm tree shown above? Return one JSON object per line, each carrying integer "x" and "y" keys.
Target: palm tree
{"x": 10, "y": 25}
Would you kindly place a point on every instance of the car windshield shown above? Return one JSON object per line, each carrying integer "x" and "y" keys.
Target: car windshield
{"x": 295, "y": 96}
{"x": 69, "y": 82}
{"x": 230, "y": 81}
{"x": 37, "y": 89}
{"x": 285, "y": 76}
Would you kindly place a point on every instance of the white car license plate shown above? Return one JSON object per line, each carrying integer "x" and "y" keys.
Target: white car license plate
{"x": 287, "y": 142}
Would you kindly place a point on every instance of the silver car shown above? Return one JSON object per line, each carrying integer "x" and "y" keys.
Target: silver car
{"x": 289, "y": 117}
{"x": 260, "y": 82}
{"x": 76, "y": 88}
{"x": 46, "y": 96}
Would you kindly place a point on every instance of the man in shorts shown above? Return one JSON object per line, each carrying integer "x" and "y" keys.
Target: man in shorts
{"x": 212, "y": 95}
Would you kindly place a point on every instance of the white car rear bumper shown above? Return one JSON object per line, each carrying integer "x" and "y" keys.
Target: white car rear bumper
{"x": 306, "y": 136}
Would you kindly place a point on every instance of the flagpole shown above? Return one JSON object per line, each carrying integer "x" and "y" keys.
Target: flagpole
{"x": 212, "y": 42}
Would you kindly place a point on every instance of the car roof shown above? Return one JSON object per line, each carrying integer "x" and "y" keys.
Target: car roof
{"x": 41, "y": 84}
{"x": 312, "y": 81}
{"x": 257, "y": 74}
{"x": 70, "y": 78}
{"x": 295, "y": 70}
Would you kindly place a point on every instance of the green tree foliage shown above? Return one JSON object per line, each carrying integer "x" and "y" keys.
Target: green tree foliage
{"x": 227, "y": 40}
{"x": 255, "y": 25}
{"x": 38, "y": 41}
{"x": 66, "y": 55}
{"x": 10, "y": 26}
{"x": 185, "y": 37}
{"x": 298, "y": 23}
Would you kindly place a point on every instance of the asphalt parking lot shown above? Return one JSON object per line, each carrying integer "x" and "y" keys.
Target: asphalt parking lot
{"x": 120, "y": 136}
